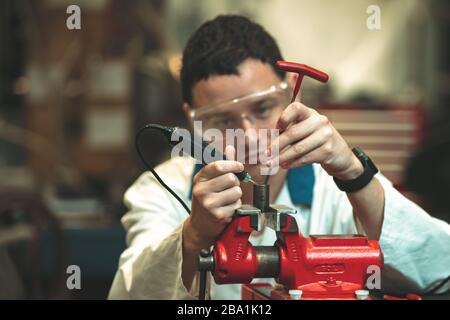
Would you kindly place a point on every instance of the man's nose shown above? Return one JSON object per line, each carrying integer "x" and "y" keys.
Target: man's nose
{"x": 247, "y": 122}
{"x": 249, "y": 128}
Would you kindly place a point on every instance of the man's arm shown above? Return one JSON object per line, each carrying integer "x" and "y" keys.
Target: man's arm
{"x": 368, "y": 202}
{"x": 416, "y": 247}
{"x": 216, "y": 194}
{"x": 151, "y": 266}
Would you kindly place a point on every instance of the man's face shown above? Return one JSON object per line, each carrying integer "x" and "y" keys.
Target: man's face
{"x": 251, "y": 115}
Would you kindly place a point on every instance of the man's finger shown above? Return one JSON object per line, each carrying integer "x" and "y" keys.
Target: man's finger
{"x": 226, "y": 213}
{"x": 221, "y": 183}
{"x": 228, "y": 196}
{"x": 295, "y": 112}
{"x": 302, "y": 148}
{"x": 314, "y": 156}
{"x": 296, "y": 132}
{"x": 218, "y": 168}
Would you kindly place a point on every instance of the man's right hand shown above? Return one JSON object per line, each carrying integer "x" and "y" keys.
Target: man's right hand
{"x": 216, "y": 194}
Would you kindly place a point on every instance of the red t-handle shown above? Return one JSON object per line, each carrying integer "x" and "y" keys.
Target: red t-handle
{"x": 302, "y": 70}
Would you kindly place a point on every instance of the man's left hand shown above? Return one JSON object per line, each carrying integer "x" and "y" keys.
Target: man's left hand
{"x": 308, "y": 137}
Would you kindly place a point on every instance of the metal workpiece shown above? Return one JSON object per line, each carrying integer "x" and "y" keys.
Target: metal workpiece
{"x": 268, "y": 258}
{"x": 261, "y": 197}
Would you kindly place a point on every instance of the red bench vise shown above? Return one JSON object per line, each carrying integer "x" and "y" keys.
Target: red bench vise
{"x": 322, "y": 267}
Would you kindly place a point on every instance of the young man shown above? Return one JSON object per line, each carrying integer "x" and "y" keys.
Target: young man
{"x": 228, "y": 82}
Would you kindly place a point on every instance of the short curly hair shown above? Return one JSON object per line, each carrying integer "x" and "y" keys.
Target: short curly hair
{"x": 220, "y": 45}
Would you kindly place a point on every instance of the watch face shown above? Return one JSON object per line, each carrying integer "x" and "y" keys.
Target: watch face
{"x": 372, "y": 165}
{"x": 359, "y": 153}
{"x": 365, "y": 159}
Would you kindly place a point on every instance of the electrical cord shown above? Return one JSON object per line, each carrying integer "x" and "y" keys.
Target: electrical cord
{"x": 381, "y": 295}
{"x": 438, "y": 286}
{"x": 165, "y": 131}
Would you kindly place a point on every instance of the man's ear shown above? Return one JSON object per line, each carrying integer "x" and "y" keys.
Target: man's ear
{"x": 186, "y": 109}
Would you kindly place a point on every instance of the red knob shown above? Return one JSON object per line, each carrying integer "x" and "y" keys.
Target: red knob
{"x": 302, "y": 70}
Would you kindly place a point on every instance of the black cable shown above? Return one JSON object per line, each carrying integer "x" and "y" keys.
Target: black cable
{"x": 202, "y": 286}
{"x": 437, "y": 287}
{"x": 141, "y": 156}
{"x": 167, "y": 131}
{"x": 379, "y": 294}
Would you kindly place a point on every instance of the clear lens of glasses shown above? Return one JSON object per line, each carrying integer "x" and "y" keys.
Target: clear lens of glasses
{"x": 260, "y": 108}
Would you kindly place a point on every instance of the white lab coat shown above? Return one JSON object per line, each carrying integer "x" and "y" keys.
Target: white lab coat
{"x": 416, "y": 247}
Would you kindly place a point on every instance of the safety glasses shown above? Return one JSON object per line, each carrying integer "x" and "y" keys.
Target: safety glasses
{"x": 261, "y": 109}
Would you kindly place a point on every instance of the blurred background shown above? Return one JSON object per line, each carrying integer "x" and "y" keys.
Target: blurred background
{"x": 72, "y": 100}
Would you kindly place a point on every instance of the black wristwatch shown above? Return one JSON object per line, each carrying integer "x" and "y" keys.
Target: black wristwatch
{"x": 363, "y": 180}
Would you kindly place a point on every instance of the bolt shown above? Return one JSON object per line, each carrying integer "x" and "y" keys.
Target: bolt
{"x": 205, "y": 261}
{"x": 362, "y": 294}
{"x": 295, "y": 294}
